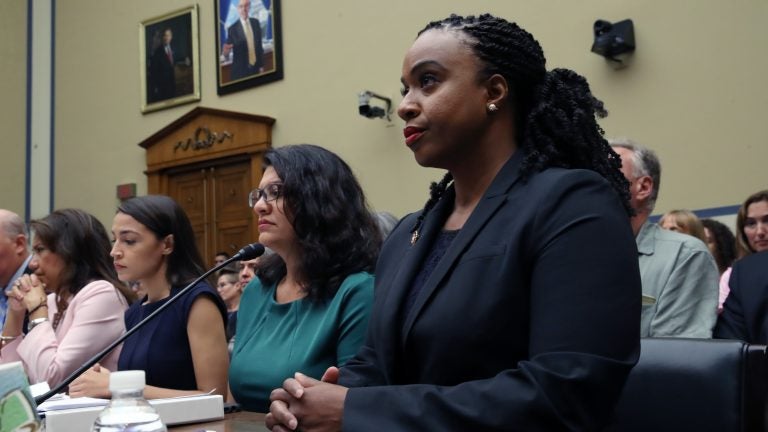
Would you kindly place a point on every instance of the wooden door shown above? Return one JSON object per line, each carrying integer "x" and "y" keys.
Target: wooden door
{"x": 215, "y": 199}
{"x": 233, "y": 221}
{"x": 189, "y": 189}
{"x": 208, "y": 160}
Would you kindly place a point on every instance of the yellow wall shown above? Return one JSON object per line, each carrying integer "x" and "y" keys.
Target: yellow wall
{"x": 13, "y": 51}
{"x": 695, "y": 91}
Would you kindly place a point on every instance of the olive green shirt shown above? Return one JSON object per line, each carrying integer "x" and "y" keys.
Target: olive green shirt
{"x": 680, "y": 284}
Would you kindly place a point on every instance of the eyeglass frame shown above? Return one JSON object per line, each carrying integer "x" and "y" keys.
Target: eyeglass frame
{"x": 257, "y": 194}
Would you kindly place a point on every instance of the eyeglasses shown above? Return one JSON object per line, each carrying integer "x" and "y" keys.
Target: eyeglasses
{"x": 270, "y": 193}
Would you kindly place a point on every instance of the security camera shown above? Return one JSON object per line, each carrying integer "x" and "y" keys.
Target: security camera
{"x": 614, "y": 41}
{"x": 366, "y": 110}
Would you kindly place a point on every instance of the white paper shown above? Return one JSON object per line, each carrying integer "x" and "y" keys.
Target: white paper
{"x": 40, "y": 389}
{"x": 69, "y": 403}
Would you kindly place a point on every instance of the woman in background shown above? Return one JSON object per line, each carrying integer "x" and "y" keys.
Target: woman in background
{"x": 683, "y": 221}
{"x": 512, "y": 300}
{"x": 752, "y": 225}
{"x": 307, "y": 308}
{"x": 183, "y": 350}
{"x": 751, "y": 235}
{"x": 721, "y": 243}
{"x": 745, "y": 310}
{"x": 74, "y": 301}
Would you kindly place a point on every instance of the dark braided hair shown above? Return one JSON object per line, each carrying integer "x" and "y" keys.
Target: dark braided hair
{"x": 554, "y": 111}
{"x": 436, "y": 191}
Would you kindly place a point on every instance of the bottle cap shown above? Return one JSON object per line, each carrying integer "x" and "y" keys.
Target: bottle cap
{"x": 126, "y": 380}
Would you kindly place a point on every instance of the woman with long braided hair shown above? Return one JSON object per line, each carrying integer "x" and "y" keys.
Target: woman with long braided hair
{"x": 512, "y": 300}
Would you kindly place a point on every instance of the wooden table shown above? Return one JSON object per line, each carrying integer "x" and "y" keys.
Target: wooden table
{"x": 243, "y": 421}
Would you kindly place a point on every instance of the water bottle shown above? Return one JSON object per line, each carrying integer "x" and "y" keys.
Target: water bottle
{"x": 128, "y": 411}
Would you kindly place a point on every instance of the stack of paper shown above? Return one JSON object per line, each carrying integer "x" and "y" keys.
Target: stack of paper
{"x": 65, "y": 402}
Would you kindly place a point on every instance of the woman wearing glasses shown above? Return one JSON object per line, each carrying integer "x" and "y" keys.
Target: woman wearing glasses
{"x": 307, "y": 308}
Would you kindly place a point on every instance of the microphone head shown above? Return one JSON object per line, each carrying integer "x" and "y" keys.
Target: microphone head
{"x": 251, "y": 251}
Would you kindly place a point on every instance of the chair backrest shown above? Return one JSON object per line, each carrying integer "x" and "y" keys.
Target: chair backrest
{"x": 694, "y": 385}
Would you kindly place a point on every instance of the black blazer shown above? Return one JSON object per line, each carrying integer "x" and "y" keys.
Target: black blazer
{"x": 745, "y": 312}
{"x": 530, "y": 321}
{"x": 236, "y": 37}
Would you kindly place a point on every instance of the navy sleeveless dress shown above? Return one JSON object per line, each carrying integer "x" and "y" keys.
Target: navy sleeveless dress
{"x": 161, "y": 347}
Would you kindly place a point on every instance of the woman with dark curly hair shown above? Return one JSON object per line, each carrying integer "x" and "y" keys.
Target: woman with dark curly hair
{"x": 721, "y": 243}
{"x": 512, "y": 300}
{"x": 307, "y": 309}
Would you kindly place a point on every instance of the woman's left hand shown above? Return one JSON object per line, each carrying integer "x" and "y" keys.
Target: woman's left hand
{"x": 92, "y": 383}
{"x": 307, "y": 404}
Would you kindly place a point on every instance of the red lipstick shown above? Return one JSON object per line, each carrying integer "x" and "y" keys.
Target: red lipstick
{"x": 412, "y": 134}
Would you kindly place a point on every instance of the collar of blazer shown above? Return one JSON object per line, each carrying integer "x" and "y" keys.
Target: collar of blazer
{"x": 494, "y": 197}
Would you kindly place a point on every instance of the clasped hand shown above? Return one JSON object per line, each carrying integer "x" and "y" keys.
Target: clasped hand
{"x": 26, "y": 294}
{"x": 306, "y": 404}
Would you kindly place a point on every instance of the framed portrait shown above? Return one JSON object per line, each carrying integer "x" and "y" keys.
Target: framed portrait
{"x": 170, "y": 59}
{"x": 248, "y": 43}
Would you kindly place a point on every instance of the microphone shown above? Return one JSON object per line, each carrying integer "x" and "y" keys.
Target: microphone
{"x": 249, "y": 252}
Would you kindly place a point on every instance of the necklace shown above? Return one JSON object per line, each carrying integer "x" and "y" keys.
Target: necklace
{"x": 58, "y": 316}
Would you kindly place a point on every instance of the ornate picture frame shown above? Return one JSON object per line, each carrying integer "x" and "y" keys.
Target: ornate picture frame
{"x": 248, "y": 51}
{"x": 169, "y": 47}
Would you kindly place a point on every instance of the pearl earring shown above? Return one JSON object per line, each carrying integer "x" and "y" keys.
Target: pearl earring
{"x": 492, "y": 107}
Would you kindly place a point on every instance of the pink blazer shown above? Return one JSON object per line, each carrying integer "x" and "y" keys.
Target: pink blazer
{"x": 93, "y": 320}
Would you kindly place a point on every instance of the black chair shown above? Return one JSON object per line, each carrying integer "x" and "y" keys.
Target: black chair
{"x": 696, "y": 385}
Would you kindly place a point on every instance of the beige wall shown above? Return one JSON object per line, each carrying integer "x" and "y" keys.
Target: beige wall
{"x": 13, "y": 51}
{"x": 695, "y": 91}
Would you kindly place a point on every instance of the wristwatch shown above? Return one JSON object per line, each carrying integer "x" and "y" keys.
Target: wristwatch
{"x": 33, "y": 323}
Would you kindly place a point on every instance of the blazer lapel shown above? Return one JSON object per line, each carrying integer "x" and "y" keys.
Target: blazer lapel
{"x": 494, "y": 197}
{"x": 397, "y": 288}
{"x": 414, "y": 256}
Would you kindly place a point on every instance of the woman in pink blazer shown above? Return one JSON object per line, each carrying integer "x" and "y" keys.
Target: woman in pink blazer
{"x": 74, "y": 301}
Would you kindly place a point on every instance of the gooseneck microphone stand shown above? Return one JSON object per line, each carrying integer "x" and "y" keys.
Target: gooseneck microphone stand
{"x": 249, "y": 252}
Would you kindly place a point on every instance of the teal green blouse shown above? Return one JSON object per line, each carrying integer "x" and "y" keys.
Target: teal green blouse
{"x": 273, "y": 341}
